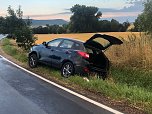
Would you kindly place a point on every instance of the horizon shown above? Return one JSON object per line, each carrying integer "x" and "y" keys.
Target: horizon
{"x": 120, "y": 10}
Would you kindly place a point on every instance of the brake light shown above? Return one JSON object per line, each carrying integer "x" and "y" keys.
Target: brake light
{"x": 83, "y": 54}
{"x": 86, "y": 69}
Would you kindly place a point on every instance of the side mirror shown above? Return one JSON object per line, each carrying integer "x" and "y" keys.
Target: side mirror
{"x": 45, "y": 44}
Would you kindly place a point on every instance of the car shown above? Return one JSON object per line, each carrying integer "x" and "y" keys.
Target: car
{"x": 73, "y": 56}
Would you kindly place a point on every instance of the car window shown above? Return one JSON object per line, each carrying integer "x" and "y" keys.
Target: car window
{"x": 54, "y": 43}
{"x": 77, "y": 46}
{"x": 67, "y": 44}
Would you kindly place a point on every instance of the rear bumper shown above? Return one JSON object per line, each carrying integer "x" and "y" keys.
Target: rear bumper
{"x": 80, "y": 70}
{"x": 84, "y": 68}
{"x": 88, "y": 69}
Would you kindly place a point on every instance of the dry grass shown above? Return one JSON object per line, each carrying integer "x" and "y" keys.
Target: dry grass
{"x": 135, "y": 52}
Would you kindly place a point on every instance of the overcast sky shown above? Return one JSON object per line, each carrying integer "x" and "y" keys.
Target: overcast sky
{"x": 121, "y": 10}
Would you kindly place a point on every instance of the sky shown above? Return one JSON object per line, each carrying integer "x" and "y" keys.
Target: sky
{"x": 121, "y": 10}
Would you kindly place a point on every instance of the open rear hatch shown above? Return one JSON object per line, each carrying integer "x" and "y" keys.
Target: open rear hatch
{"x": 95, "y": 46}
{"x": 102, "y": 42}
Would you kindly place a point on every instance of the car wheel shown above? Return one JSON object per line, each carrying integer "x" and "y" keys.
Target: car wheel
{"x": 67, "y": 69}
{"x": 33, "y": 60}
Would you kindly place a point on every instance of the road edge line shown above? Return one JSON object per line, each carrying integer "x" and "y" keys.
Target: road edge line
{"x": 65, "y": 89}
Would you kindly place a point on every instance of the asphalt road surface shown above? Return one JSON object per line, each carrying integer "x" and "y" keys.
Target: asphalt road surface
{"x": 2, "y": 36}
{"x": 22, "y": 93}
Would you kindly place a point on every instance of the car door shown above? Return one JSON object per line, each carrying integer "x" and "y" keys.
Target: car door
{"x": 48, "y": 50}
{"x": 102, "y": 42}
{"x": 62, "y": 52}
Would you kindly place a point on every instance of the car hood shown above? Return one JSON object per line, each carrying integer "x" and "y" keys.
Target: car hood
{"x": 102, "y": 42}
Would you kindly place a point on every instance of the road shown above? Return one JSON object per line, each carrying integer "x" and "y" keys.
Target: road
{"x": 22, "y": 93}
{"x": 2, "y": 36}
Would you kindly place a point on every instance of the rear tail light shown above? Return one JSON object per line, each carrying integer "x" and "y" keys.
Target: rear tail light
{"x": 86, "y": 69}
{"x": 83, "y": 54}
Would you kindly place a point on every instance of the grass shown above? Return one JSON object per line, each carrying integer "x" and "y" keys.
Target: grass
{"x": 126, "y": 84}
{"x": 136, "y": 52}
{"x": 134, "y": 94}
{"x": 10, "y": 49}
{"x": 133, "y": 77}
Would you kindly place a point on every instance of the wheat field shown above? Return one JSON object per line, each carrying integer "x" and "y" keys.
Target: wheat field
{"x": 81, "y": 36}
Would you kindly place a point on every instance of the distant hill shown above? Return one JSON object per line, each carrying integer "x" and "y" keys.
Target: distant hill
{"x": 36, "y": 23}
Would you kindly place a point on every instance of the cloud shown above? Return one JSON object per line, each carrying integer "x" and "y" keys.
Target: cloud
{"x": 2, "y": 13}
{"x": 67, "y": 9}
{"x": 62, "y": 15}
{"x": 122, "y": 19}
{"x": 136, "y": 6}
{"x": 130, "y": 12}
{"x": 133, "y": 10}
{"x": 119, "y": 14}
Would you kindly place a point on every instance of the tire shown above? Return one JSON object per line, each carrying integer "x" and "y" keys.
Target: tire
{"x": 67, "y": 69}
{"x": 103, "y": 75}
{"x": 33, "y": 60}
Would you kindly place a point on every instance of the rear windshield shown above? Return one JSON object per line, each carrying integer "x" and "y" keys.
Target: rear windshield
{"x": 78, "y": 46}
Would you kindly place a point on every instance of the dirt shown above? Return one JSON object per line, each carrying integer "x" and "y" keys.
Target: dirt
{"x": 122, "y": 106}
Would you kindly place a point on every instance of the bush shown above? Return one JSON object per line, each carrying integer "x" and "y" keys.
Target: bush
{"x": 25, "y": 37}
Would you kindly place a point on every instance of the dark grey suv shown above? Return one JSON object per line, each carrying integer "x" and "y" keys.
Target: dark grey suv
{"x": 73, "y": 56}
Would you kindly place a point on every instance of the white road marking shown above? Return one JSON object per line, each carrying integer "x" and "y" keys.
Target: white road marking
{"x": 65, "y": 89}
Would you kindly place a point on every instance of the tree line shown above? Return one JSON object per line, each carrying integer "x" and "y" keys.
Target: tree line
{"x": 50, "y": 29}
{"x": 103, "y": 26}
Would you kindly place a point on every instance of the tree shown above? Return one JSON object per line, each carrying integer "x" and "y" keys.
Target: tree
{"x": 112, "y": 26}
{"x": 125, "y": 26}
{"x": 2, "y": 26}
{"x": 105, "y": 26}
{"x": 24, "y": 37}
{"x": 84, "y": 18}
{"x": 115, "y": 26}
{"x": 61, "y": 30}
{"x": 143, "y": 21}
{"x": 138, "y": 26}
{"x": 10, "y": 21}
{"x": 17, "y": 27}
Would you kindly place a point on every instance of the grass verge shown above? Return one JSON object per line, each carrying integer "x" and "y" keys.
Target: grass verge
{"x": 125, "y": 85}
{"x": 11, "y": 50}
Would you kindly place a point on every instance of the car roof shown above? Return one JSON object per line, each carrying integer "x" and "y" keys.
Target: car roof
{"x": 72, "y": 39}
